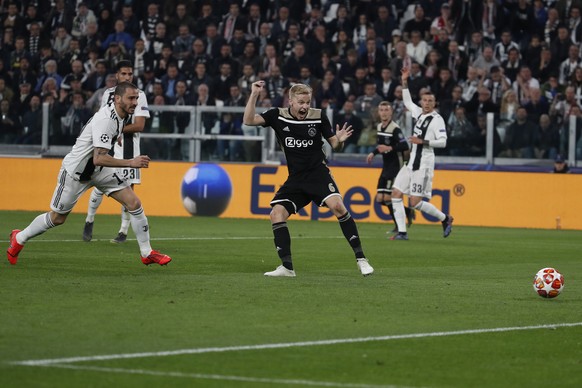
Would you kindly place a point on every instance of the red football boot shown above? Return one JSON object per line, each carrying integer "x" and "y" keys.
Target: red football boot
{"x": 14, "y": 248}
{"x": 156, "y": 257}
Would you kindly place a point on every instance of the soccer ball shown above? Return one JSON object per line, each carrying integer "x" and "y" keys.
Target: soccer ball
{"x": 548, "y": 283}
{"x": 206, "y": 190}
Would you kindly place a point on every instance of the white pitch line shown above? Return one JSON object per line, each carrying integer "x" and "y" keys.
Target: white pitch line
{"x": 104, "y": 357}
{"x": 203, "y": 376}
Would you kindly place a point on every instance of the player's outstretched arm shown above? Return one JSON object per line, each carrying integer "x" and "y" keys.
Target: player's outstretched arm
{"x": 250, "y": 117}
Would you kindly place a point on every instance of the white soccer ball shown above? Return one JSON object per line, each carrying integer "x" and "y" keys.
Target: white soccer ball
{"x": 548, "y": 283}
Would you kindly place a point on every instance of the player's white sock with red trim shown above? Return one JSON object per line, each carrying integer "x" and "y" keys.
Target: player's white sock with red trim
{"x": 429, "y": 208}
{"x": 125, "y": 220}
{"x": 139, "y": 224}
{"x": 39, "y": 225}
{"x": 399, "y": 214}
{"x": 94, "y": 202}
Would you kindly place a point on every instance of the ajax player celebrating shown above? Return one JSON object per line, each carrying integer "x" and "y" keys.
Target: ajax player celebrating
{"x": 415, "y": 179}
{"x": 89, "y": 164}
{"x": 127, "y": 149}
{"x": 300, "y": 131}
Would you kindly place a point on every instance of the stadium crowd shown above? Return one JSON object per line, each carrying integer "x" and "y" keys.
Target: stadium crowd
{"x": 519, "y": 59}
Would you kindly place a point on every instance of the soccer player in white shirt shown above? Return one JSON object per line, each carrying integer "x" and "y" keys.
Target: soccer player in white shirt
{"x": 90, "y": 164}
{"x": 127, "y": 149}
{"x": 415, "y": 179}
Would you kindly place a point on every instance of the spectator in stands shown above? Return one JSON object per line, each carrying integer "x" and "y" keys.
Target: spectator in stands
{"x": 508, "y": 108}
{"x": 522, "y": 136}
{"x": 486, "y": 60}
{"x": 541, "y": 66}
{"x": 24, "y": 73}
{"x": 31, "y": 123}
{"x": 341, "y": 22}
{"x": 471, "y": 82}
{"x": 183, "y": 42}
{"x": 474, "y": 48}
{"x": 501, "y": 49}
{"x": 18, "y": 52}
{"x": 396, "y": 63}
{"x": 443, "y": 22}
{"x": 96, "y": 80}
{"x": 213, "y": 41}
{"x": 307, "y": 78}
{"x": 448, "y": 105}
{"x": 254, "y": 21}
{"x": 384, "y": 24}
{"x": 562, "y": 105}
{"x": 348, "y": 66}
{"x": 152, "y": 19}
{"x": 80, "y": 21}
{"x": 94, "y": 102}
{"x": 250, "y": 57}
{"x": 123, "y": 39}
{"x": 169, "y": 81}
{"x": 549, "y": 141}
{"x": 346, "y": 115}
{"x": 512, "y": 65}
{"x": 114, "y": 54}
{"x": 522, "y": 21}
{"x": 523, "y": 83}
{"x": 276, "y": 84}
{"x": 320, "y": 43}
{"x": 74, "y": 115}
{"x": 140, "y": 58}
{"x": 386, "y": 84}
{"x": 442, "y": 86}
{"x": 480, "y": 146}
{"x": 419, "y": 23}
{"x": 360, "y": 32}
{"x": 537, "y": 105}
{"x": 231, "y": 124}
{"x": 480, "y": 104}
{"x": 462, "y": 136}
{"x": 280, "y": 25}
{"x": 551, "y": 26}
{"x": 431, "y": 64}
{"x": 92, "y": 40}
{"x": 568, "y": 66}
{"x": 75, "y": 73}
{"x": 238, "y": 43}
{"x": 12, "y": 19}
{"x": 164, "y": 60}
{"x": 226, "y": 57}
{"x": 330, "y": 89}
{"x": 200, "y": 77}
{"x": 365, "y": 103}
{"x": 313, "y": 19}
{"x": 269, "y": 60}
{"x": 416, "y": 81}
{"x": 373, "y": 58}
{"x": 21, "y": 101}
{"x": 231, "y": 21}
{"x": 50, "y": 71}
{"x": 223, "y": 81}
{"x": 35, "y": 40}
{"x": 551, "y": 88}
{"x": 560, "y": 46}
{"x": 467, "y": 17}
{"x": 289, "y": 40}
{"x": 265, "y": 39}
{"x": 181, "y": 18}
{"x": 292, "y": 66}
{"x": 61, "y": 14}
{"x": 246, "y": 80}
{"x": 159, "y": 40}
{"x": 560, "y": 165}
{"x": 10, "y": 126}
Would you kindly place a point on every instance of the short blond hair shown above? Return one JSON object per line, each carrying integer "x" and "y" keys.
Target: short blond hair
{"x": 298, "y": 89}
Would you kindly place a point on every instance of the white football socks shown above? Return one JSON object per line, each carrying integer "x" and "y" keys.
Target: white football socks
{"x": 125, "y": 221}
{"x": 399, "y": 214}
{"x": 94, "y": 202}
{"x": 139, "y": 224}
{"x": 38, "y": 226}
{"x": 429, "y": 208}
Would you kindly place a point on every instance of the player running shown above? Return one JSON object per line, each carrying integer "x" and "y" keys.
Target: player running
{"x": 415, "y": 179}
{"x": 300, "y": 131}
{"x": 90, "y": 164}
{"x": 392, "y": 146}
{"x": 126, "y": 149}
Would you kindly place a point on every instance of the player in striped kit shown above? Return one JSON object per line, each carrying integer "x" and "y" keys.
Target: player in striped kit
{"x": 88, "y": 164}
{"x": 127, "y": 149}
{"x": 415, "y": 179}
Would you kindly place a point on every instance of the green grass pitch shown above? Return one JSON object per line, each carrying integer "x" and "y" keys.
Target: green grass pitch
{"x": 75, "y": 314}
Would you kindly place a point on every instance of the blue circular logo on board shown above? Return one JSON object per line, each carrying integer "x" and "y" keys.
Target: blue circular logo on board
{"x": 206, "y": 190}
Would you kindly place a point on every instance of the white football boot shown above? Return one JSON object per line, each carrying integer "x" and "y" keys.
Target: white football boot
{"x": 365, "y": 268}
{"x": 282, "y": 271}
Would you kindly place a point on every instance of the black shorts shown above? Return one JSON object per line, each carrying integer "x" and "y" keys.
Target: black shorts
{"x": 299, "y": 190}
{"x": 386, "y": 181}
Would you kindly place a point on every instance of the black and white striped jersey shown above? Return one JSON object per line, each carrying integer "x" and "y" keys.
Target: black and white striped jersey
{"x": 101, "y": 131}
{"x": 430, "y": 127}
{"x": 129, "y": 148}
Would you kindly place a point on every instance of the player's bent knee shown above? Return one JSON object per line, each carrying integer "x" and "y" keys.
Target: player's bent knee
{"x": 278, "y": 214}
{"x": 57, "y": 218}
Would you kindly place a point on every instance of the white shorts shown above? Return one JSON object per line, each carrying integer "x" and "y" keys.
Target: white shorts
{"x": 68, "y": 191}
{"x": 414, "y": 183}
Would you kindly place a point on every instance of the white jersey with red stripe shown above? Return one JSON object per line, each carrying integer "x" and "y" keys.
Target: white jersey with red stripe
{"x": 430, "y": 127}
